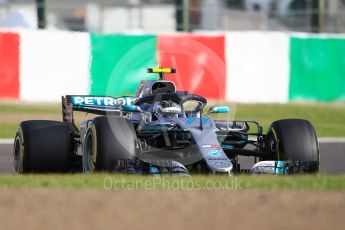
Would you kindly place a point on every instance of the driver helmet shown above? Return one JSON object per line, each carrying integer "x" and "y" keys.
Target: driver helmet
{"x": 168, "y": 109}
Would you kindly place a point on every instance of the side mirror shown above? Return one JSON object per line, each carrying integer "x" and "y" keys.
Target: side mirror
{"x": 219, "y": 109}
{"x": 131, "y": 108}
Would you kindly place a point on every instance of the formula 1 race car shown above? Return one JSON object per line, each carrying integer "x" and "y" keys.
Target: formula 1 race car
{"x": 161, "y": 131}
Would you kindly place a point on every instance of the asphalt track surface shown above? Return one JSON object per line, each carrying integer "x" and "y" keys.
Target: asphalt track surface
{"x": 332, "y": 156}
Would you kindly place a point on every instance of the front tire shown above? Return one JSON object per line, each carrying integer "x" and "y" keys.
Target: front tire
{"x": 293, "y": 140}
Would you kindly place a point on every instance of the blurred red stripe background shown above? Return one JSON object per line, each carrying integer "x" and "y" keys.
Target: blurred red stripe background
{"x": 9, "y": 66}
{"x": 199, "y": 60}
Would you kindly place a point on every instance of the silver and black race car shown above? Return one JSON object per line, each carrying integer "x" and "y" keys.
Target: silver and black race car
{"x": 161, "y": 131}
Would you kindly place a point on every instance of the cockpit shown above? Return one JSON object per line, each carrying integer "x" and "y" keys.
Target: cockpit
{"x": 172, "y": 105}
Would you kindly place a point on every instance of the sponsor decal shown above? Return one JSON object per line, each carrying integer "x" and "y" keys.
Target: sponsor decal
{"x": 275, "y": 167}
{"x": 212, "y": 146}
{"x": 221, "y": 164}
{"x": 215, "y": 153}
{"x": 101, "y": 101}
{"x": 204, "y": 120}
{"x": 190, "y": 121}
{"x": 217, "y": 159}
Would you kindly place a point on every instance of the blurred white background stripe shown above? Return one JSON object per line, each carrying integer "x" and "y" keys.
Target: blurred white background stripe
{"x": 258, "y": 67}
{"x": 52, "y": 64}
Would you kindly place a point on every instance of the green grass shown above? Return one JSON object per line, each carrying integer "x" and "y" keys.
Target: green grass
{"x": 10, "y": 108}
{"x": 125, "y": 182}
{"x": 328, "y": 119}
{"x": 8, "y": 129}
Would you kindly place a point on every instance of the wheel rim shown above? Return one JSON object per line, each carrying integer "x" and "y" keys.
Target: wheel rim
{"x": 274, "y": 144}
{"x": 18, "y": 154}
{"x": 88, "y": 164}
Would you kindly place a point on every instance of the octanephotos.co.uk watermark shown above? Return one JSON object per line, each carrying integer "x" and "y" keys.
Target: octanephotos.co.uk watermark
{"x": 168, "y": 183}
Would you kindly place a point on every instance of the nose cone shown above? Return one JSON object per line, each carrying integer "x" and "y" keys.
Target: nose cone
{"x": 216, "y": 159}
{"x": 220, "y": 165}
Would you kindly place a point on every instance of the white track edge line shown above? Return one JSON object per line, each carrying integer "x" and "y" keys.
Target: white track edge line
{"x": 331, "y": 140}
{"x": 6, "y": 141}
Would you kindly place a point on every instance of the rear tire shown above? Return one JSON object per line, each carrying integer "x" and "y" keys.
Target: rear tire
{"x": 107, "y": 139}
{"x": 293, "y": 140}
{"x": 42, "y": 146}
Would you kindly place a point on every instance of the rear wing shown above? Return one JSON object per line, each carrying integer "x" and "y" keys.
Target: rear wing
{"x": 100, "y": 105}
